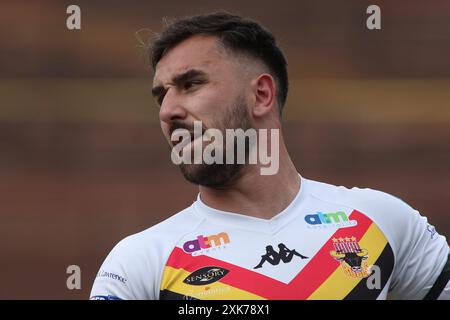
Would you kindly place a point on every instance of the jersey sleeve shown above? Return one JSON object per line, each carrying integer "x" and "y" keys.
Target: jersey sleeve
{"x": 421, "y": 252}
{"x": 124, "y": 275}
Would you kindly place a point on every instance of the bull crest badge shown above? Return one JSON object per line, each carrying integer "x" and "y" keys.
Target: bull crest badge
{"x": 352, "y": 258}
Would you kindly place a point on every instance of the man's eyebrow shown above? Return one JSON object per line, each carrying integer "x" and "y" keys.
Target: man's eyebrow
{"x": 191, "y": 73}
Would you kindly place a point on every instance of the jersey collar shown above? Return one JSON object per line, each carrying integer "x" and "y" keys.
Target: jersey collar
{"x": 242, "y": 221}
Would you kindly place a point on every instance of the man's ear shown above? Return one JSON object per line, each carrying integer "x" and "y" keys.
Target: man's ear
{"x": 264, "y": 91}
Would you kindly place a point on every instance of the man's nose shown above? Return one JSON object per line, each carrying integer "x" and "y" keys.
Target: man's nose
{"x": 172, "y": 107}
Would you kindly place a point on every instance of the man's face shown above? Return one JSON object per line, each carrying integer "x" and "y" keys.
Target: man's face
{"x": 198, "y": 81}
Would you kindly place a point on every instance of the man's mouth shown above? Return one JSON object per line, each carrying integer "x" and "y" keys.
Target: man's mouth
{"x": 192, "y": 138}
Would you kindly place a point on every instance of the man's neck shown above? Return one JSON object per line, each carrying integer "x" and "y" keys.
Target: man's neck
{"x": 253, "y": 194}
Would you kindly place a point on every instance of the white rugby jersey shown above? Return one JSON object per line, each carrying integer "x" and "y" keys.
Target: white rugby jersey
{"x": 329, "y": 243}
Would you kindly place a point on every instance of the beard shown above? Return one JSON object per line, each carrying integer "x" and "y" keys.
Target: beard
{"x": 220, "y": 175}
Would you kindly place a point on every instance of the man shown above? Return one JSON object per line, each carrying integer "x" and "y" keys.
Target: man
{"x": 223, "y": 72}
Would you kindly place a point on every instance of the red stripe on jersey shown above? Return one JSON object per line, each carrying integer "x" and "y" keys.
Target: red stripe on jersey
{"x": 238, "y": 277}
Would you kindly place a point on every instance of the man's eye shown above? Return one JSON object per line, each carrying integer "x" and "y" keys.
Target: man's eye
{"x": 160, "y": 99}
{"x": 190, "y": 84}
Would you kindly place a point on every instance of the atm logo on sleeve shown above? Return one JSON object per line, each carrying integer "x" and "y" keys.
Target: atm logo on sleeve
{"x": 202, "y": 243}
{"x": 337, "y": 219}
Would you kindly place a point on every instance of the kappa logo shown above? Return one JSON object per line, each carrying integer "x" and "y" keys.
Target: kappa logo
{"x": 352, "y": 258}
{"x": 206, "y": 275}
{"x": 218, "y": 240}
{"x": 333, "y": 219}
{"x": 284, "y": 254}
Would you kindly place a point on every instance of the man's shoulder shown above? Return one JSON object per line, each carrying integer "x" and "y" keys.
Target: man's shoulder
{"x": 134, "y": 266}
{"x": 166, "y": 231}
{"x": 364, "y": 198}
{"x": 395, "y": 218}
{"x": 162, "y": 234}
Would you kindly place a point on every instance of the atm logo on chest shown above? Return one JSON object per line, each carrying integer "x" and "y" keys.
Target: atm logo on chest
{"x": 335, "y": 219}
{"x": 205, "y": 243}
